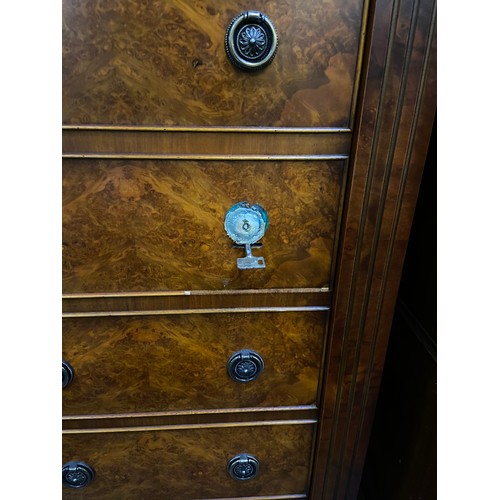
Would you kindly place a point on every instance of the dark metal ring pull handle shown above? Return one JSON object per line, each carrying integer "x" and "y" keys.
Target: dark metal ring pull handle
{"x": 67, "y": 374}
{"x": 251, "y": 41}
{"x": 245, "y": 365}
{"x": 243, "y": 467}
{"x": 77, "y": 474}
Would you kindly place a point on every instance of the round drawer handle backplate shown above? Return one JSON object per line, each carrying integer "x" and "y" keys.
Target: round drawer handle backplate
{"x": 245, "y": 365}
{"x": 67, "y": 374}
{"x": 77, "y": 474}
{"x": 243, "y": 467}
{"x": 251, "y": 41}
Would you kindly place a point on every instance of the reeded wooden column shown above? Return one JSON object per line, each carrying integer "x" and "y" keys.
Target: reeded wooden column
{"x": 394, "y": 124}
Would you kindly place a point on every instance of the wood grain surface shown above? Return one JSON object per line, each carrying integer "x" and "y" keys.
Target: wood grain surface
{"x": 393, "y": 132}
{"x": 178, "y": 362}
{"x": 164, "y": 62}
{"x": 204, "y": 142}
{"x": 188, "y": 419}
{"x": 122, "y": 304}
{"x": 149, "y": 225}
{"x": 131, "y": 225}
{"x": 191, "y": 464}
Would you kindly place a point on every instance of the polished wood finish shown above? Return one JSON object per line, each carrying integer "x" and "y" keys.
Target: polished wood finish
{"x": 161, "y": 137}
{"x": 392, "y": 137}
{"x": 218, "y": 417}
{"x": 132, "y": 225}
{"x": 245, "y": 143}
{"x": 187, "y": 301}
{"x": 178, "y": 362}
{"x": 164, "y": 63}
{"x": 191, "y": 463}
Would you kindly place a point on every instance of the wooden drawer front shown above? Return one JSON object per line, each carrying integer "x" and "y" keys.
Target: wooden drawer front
{"x": 187, "y": 464}
{"x": 178, "y": 362}
{"x": 132, "y": 225}
{"x": 164, "y": 63}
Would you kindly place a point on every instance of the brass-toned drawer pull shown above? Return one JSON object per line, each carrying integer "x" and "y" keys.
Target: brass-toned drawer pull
{"x": 251, "y": 41}
{"x": 243, "y": 467}
{"x": 67, "y": 374}
{"x": 246, "y": 225}
{"x": 77, "y": 474}
{"x": 245, "y": 365}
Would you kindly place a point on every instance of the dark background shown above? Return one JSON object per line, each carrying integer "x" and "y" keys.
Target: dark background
{"x": 401, "y": 462}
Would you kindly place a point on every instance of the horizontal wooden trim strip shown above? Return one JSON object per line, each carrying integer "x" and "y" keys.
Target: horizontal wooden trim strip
{"x": 212, "y": 144}
{"x": 225, "y": 310}
{"x": 279, "y": 497}
{"x": 195, "y": 157}
{"x": 197, "y": 413}
{"x": 197, "y": 301}
{"x": 209, "y": 129}
{"x": 179, "y": 293}
{"x": 191, "y": 417}
{"x": 274, "y": 497}
{"x": 216, "y": 418}
{"x": 176, "y": 427}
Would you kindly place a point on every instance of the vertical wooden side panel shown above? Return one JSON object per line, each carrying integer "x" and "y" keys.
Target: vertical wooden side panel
{"x": 393, "y": 131}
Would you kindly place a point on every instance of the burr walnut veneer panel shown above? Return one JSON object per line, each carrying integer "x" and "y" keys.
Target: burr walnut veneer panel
{"x": 143, "y": 225}
{"x": 178, "y": 362}
{"x": 161, "y": 136}
{"x": 191, "y": 463}
{"x": 164, "y": 63}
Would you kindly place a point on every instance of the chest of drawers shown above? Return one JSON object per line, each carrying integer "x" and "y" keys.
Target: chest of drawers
{"x": 211, "y": 348}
